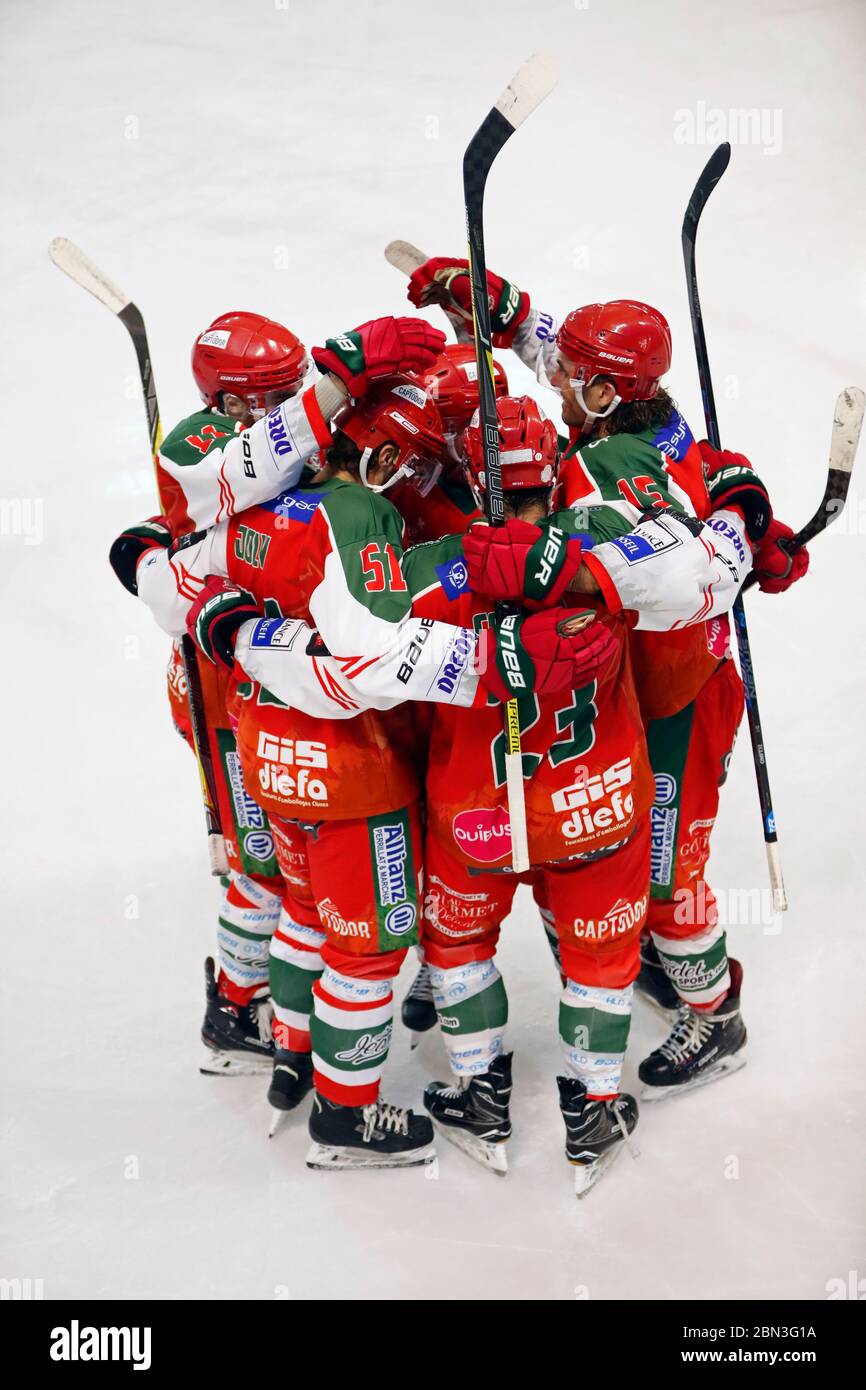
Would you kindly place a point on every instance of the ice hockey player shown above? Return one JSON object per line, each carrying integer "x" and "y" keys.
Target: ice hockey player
{"x": 446, "y": 507}
{"x": 447, "y": 504}
{"x": 247, "y": 368}
{"x": 606, "y": 361}
{"x": 244, "y": 365}
{"x": 329, "y": 552}
{"x": 584, "y": 753}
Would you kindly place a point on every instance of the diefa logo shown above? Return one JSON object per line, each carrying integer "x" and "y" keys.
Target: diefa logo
{"x": 279, "y": 753}
{"x": 581, "y": 798}
{"x": 483, "y": 834}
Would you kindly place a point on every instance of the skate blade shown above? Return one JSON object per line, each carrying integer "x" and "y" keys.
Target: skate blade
{"x": 325, "y": 1157}
{"x": 492, "y": 1156}
{"x": 716, "y": 1072}
{"x": 223, "y": 1063}
{"x": 586, "y": 1175}
{"x": 278, "y": 1121}
{"x": 281, "y": 1113}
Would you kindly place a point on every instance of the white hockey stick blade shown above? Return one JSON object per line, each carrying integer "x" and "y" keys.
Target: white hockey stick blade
{"x": 527, "y": 89}
{"x": 774, "y": 864}
{"x": 73, "y": 262}
{"x": 403, "y": 256}
{"x": 847, "y": 423}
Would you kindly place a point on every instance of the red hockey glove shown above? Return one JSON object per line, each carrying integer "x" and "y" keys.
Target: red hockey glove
{"x": 133, "y": 543}
{"x": 215, "y": 616}
{"x": 443, "y": 280}
{"x": 543, "y": 653}
{"x": 733, "y": 482}
{"x": 381, "y": 347}
{"x": 775, "y": 569}
{"x": 532, "y": 565}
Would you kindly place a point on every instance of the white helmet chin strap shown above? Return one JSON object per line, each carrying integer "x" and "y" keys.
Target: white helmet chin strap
{"x": 577, "y": 385}
{"x": 402, "y": 472}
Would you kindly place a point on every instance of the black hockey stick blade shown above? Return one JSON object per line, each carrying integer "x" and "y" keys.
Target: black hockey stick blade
{"x": 710, "y": 175}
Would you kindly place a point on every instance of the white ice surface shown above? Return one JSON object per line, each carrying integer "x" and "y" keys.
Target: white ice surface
{"x": 279, "y": 148}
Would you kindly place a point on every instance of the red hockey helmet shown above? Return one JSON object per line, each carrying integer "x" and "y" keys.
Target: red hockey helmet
{"x": 398, "y": 412}
{"x": 452, "y": 381}
{"x": 251, "y": 357}
{"x": 624, "y": 340}
{"x": 528, "y": 447}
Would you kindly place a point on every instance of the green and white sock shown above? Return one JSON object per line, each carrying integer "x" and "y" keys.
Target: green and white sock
{"x": 594, "y": 1025}
{"x": 472, "y": 1008}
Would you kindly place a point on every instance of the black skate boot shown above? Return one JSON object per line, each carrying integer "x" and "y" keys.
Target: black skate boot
{"x": 418, "y": 1011}
{"x": 367, "y": 1136}
{"x": 701, "y": 1048}
{"x": 652, "y": 982}
{"x": 237, "y": 1036}
{"x": 595, "y": 1130}
{"x": 292, "y": 1079}
{"x": 476, "y": 1117}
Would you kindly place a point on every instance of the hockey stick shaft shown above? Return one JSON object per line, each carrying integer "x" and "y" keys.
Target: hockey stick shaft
{"x": 72, "y": 261}
{"x": 528, "y": 87}
{"x": 710, "y": 175}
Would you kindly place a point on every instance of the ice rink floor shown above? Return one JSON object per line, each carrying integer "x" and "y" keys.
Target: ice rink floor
{"x": 222, "y": 155}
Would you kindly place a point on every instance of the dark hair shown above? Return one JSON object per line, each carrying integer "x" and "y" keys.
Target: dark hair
{"x": 521, "y": 498}
{"x": 630, "y": 417}
{"x": 343, "y": 453}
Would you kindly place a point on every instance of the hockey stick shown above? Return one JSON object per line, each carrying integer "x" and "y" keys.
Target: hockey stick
{"x": 73, "y": 262}
{"x": 534, "y": 81}
{"x": 844, "y": 438}
{"x": 847, "y": 423}
{"x": 403, "y": 256}
{"x": 710, "y": 175}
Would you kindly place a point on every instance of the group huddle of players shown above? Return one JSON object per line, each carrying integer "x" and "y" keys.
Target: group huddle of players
{"x": 359, "y": 628}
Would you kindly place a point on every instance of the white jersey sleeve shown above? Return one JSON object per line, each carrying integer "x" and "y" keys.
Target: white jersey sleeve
{"x": 169, "y": 581}
{"x": 255, "y": 465}
{"x": 535, "y": 343}
{"x": 674, "y": 571}
{"x": 287, "y": 657}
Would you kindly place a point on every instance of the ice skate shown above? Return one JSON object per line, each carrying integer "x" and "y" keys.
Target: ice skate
{"x": 653, "y": 985}
{"x": 476, "y": 1117}
{"x": 237, "y": 1037}
{"x": 595, "y": 1131}
{"x": 418, "y": 1011}
{"x": 292, "y": 1079}
{"x": 367, "y": 1136}
{"x": 701, "y": 1048}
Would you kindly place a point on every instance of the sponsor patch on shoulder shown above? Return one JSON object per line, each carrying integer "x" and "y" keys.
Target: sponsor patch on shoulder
{"x": 653, "y": 539}
{"x": 295, "y": 505}
{"x": 453, "y": 577}
{"x": 634, "y": 548}
{"x": 276, "y": 632}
